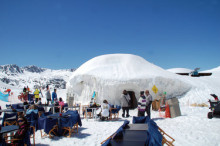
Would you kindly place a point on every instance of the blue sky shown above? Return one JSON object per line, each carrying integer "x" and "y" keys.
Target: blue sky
{"x": 61, "y": 34}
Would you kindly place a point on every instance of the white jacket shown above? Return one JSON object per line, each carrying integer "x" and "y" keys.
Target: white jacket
{"x": 105, "y": 110}
{"x": 124, "y": 102}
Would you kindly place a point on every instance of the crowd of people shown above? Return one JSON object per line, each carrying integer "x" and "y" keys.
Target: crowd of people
{"x": 144, "y": 105}
{"x": 35, "y": 98}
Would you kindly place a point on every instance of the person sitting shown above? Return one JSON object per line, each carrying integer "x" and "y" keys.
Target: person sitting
{"x": 61, "y": 103}
{"x": 56, "y": 103}
{"x": 33, "y": 108}
{"x": 23, "y": 129}
{"x": 105, "y": 110}
{"x": 39, "y": 102}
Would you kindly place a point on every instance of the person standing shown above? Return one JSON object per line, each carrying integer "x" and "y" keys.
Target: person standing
{"x": 148, "y": 102}
{"x": 141, "y": 104}
{"x": 54, "y": 95}
{"x": 125, "y": 98}
{"x": 24, "y": 90}
{"x": 48, "y": 95}
{"x": 36, "y": 95}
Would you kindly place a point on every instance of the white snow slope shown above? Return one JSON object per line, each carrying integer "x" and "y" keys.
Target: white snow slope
{"x": 192, "y": 128}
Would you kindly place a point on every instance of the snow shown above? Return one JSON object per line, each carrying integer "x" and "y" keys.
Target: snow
{"x": 109, "y": 75}
{"x": 179, "y": 70}
{"x": 191, "y": 128}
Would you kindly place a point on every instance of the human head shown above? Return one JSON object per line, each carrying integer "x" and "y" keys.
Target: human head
{"x": 22, "y": 120}
{"x": 60, "y": 99}
{"x": 142, "y": 93}
{"x": 147, "y": 92}
{"x": 125, "y": 92}
{"x": 55, "y": 90}
{"x": 33, "y": 107}
{"x": 105, "y": 101}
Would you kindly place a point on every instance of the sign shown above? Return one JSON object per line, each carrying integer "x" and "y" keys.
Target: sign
{"x": 154, "y": 88}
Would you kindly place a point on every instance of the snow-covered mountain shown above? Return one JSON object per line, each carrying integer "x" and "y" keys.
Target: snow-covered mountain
{"x": 32, "y": 76}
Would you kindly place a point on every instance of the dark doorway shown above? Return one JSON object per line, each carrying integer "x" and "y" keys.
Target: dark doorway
{"x": 133, "y": 99}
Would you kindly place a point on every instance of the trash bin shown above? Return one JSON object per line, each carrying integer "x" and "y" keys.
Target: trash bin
{"x": 174, "y": 107}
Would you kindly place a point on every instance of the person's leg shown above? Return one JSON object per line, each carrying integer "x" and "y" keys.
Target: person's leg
{"x": 143, "y": 113}
{"x": 139, "y": 113}
{"x": 48, "y": 101}
{"x": 123, "y": 110}
{"x": 148, "y": 111}
{"x": 127, "y": 110}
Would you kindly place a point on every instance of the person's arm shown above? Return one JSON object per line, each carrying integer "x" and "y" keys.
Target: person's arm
{"x": 139, "y": 103}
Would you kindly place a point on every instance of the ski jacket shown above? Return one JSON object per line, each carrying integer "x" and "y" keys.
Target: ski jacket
{"x": 48, "y": 95}
{"x": 36, "y": 93}
{"x": 54, "y": 96}
{"x": 124, "y": 100}
{"x": 20, "y": 134}
{"x": 142, "y": 103}
{"x": 105, "y": 110}
{"x": 149, "y": 99}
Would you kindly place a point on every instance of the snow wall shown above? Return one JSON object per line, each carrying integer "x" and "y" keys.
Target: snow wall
{"x": 109, "y": 75}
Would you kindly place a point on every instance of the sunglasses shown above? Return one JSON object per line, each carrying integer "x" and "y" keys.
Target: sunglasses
{"x": 20, "y": 121}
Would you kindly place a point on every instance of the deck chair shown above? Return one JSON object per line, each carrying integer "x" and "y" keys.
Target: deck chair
{"x": 117, "y": 134}
{"x": 144, "y": 119}
{"x": 89, "y": 111}
{"x": 115, "y": 112}
{"x": 9, "y": 118}
{"x": 166, "y": 137}
{"x": 32, "y": 119}
{"x": 8, "y": 106}
{"x": 45, "y": 123}
{"x": 70, "y": 125}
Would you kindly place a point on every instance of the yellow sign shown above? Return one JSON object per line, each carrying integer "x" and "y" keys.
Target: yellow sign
{"x": 154, "y": 88}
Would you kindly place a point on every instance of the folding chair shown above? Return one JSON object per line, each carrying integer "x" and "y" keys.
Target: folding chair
{"x": 9, "y": 118}
{"x": 166, "y": 137}
{"x": 144, "y": 119}
{"x": 115, "y": 112}
{"x": 8, "y": 106}
{"x": 70, "y": 124}
{"x": 32, "y": 119}
{"x": 46, "y": 123}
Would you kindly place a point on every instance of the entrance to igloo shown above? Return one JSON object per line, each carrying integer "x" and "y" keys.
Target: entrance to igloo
{"x": 133, "y": 99}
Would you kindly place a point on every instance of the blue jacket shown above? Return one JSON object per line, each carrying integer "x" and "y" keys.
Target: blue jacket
{"x": 54, "y": 95}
